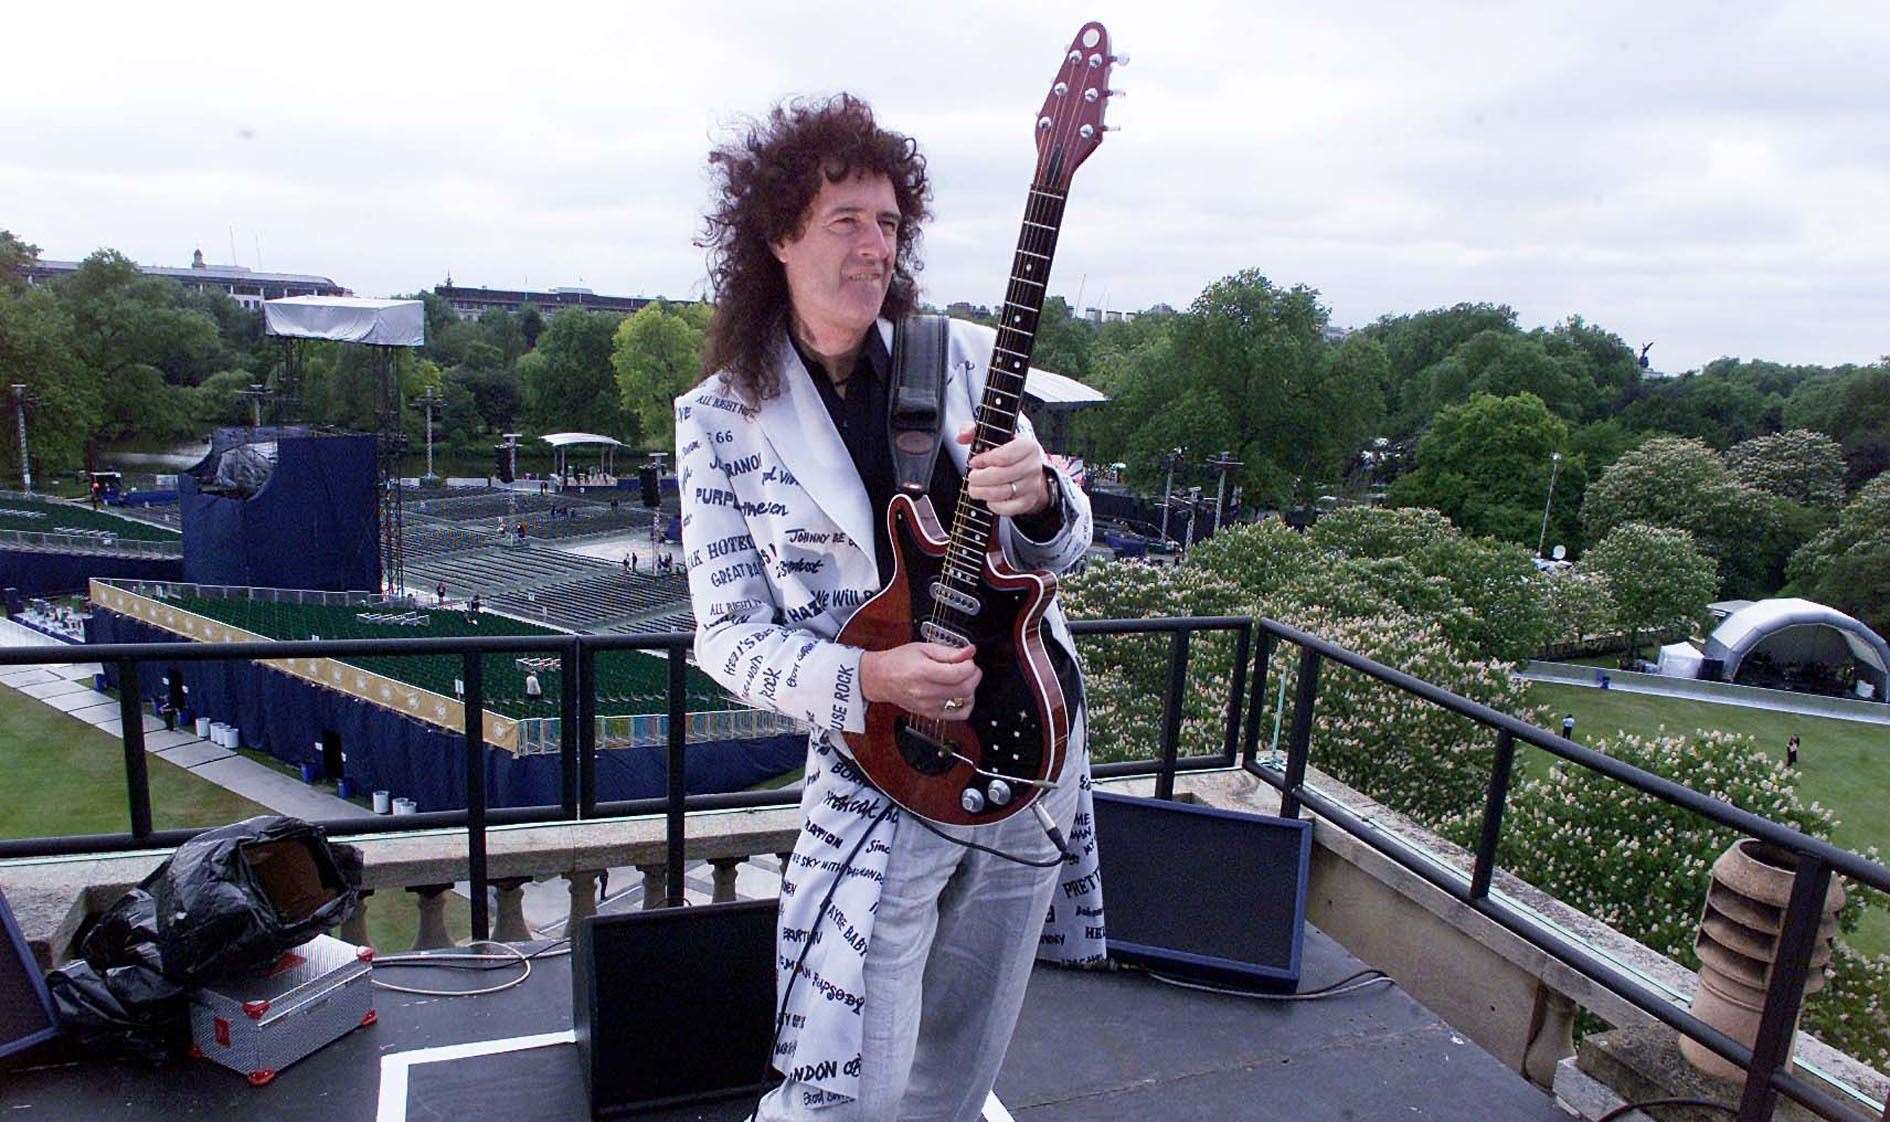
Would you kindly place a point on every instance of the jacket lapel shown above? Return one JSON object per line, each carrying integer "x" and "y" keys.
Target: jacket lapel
{"x": 804, "y": 439}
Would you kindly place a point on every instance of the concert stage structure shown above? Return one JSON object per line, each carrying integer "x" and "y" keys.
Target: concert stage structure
{"x": 283, "y": 507}
{"x": 397, "y": 724}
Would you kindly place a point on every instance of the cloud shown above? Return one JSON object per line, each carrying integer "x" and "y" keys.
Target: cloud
{"x": 1711, "y": 175}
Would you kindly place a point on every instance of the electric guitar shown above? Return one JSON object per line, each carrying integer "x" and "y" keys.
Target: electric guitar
{"x": 956, "y": 588}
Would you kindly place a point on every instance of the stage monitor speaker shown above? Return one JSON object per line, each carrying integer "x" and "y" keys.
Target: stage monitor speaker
{"x": 674, "y": 1005}
{"x": 646, "y": 476}
{"x": 26, "y": 1011}
{"x": 1200, "y": 891}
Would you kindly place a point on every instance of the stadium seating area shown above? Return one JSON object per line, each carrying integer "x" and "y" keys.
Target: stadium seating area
{"x": 593, "y": 600}
{"x": 500, "y": 569}
{"x": 628, "y": 682}
{"x": 40, "y": 516}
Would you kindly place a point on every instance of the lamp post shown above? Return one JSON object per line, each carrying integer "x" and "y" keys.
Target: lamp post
{"x": 1555, "y": 467}
{"x": 19, "y": 413}
{"x": 428, "y": 401}
{"x": 1169, "y": 460}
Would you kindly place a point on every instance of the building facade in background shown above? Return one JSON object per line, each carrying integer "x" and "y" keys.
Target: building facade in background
{"x": 245, "y": 286}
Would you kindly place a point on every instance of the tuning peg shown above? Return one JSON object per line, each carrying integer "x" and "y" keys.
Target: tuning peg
{"x": 1115, "y": 93}
{"x": 1112, "y": 128}
{"x": 1121, "y": 59}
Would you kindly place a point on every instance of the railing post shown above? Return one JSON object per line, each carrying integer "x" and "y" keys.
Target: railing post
{"x": 1172, "y": 704}
{"x": 587, "y": 730}
{"x": 1236, "y": 691}
{"x": 568, "y": 728}
{"x": 678, "y": 788}
{"x": 1493, "y": 803}
{"x": 1257, "y": 699}
{"x": 472, "y": 672}
{"x": 1300, "y": 742}
{"x": 137, "y": 779}
{"x": 1785, "y": 989}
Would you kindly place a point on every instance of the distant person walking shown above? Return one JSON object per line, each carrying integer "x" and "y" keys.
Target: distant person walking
{"x": 533, "y": 691}
{"x": 439, "y": 594}
{"x": 1791, "y": 751}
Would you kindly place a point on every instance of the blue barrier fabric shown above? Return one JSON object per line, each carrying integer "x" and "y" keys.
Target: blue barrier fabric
{"x": 37, "y": 573}
{"x": 384, "y": 750}
{"x": 314, "y": 524}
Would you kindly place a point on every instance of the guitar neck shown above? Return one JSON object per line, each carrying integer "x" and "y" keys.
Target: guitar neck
{"x": 996, "y": 417}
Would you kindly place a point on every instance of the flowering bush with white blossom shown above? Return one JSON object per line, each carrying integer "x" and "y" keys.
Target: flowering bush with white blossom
{"x": 1642, "y": 865}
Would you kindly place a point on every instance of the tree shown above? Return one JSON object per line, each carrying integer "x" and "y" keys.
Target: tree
{"x": 15, "y": 257}
{"x": 568, "y": 379}
{"x": 1656, "y": 577}
{"x": 1486, "y": 464}
{"x": 496, "y": 395}
{"x": 1503, "y": 363}
{"x": 35, "y": 352}
{"x": 1256, "y": 354}
{"x": 657, "y": 354}
{"x": 1422, "y": 339}
{"x": 1848, "y": 565}
{"x": 1803, "y": 466}
{"x": 134, "y": 337}
{"x": 1678, "y": 482}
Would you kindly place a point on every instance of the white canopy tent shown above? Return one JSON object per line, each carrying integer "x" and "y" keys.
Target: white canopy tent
{"x": 561, "y": 442}
{"x": 348, "y": 319}
{"x": 1794, "y": 631}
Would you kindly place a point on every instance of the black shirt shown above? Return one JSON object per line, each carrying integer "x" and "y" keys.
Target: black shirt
{"x": 860, "y": 415}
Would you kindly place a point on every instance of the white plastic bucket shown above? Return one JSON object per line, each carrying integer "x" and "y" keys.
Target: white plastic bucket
{"x": 203, "y": 728}
{"x": 383, "y": 802}
{"x": 406, "y": 806}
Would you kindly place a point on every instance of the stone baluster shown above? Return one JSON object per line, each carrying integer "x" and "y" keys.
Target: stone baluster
{"x": 655, "y": 893}
{"x": 354, "y": 929}
{"x": 1551, "y": 1037}
{"x": 583, "y": 886}
{"x": 509, "y": 924}
{"x": 431, "y": 900}
{"x": 724, "y": 870}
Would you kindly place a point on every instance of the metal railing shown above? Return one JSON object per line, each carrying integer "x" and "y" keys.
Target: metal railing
{"x": 92, "y": 542}
{"x": 1768, "y": 1073}
{"x": 1766, "y": 1063}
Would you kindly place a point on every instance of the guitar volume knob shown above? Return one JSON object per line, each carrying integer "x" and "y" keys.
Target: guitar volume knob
{"x": 972, "y": 800}
{"x": 999, "y": 792}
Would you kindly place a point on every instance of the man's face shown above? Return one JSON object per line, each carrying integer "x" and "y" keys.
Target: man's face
{"x": 840, "y": 264}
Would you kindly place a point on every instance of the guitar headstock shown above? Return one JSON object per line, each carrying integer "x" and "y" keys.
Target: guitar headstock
{"x": 1070, "y": 124}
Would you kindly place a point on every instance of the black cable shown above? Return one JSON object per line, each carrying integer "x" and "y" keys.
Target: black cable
{"x": 807, "y": 943}
{"x": 1059, "y": 859}
{"x": 1352, "y": 983}
{"x": 1624, "y": 1108}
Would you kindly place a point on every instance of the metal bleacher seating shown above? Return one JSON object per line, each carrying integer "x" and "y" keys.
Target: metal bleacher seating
{"x": 595, "y": 602}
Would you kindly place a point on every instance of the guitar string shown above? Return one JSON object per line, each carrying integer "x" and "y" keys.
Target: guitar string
{"x": 970, "y": 533}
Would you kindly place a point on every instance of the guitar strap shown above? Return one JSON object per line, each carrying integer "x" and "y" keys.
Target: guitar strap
{"x": 916, "y": 406}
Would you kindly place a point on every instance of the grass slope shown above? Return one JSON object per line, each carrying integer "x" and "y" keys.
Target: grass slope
{"x": 62, "y": 776}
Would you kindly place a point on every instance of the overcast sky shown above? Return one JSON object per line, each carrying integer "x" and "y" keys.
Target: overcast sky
{"x": 1714, "y": 177}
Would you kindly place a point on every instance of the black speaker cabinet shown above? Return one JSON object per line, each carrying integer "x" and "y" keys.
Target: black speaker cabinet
{"x": 26, "y": 1012}
{"x": 646, "y": 479}
{"x": 674, "y": 1005}
{"x": 1204, "y": 892}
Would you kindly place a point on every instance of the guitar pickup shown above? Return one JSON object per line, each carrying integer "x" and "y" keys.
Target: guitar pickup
{"x": 934, "y": 633}
{"x": 955, "y": 598}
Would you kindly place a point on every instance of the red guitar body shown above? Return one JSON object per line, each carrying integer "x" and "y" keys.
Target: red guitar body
{"x": 956, "y": 588}
{"x": 1019, "y": 726}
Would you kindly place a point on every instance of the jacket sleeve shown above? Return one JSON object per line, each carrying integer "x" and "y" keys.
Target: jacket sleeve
{"x": 1071, "y": 541}
{"x": 741, "y": 640}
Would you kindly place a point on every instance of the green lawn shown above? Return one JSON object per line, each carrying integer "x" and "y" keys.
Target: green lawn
{"x": 62, "y": 776}
{"x": 1844, "y": 765}
{"x": 40, "y": 517}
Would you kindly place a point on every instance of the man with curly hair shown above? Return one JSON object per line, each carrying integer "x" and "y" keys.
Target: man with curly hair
{"x": 903, "y": 949}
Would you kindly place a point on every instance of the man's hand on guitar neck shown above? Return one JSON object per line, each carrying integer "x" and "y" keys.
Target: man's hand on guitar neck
{"x": 925, "y": 679}
{"x": 1010, "y": 478}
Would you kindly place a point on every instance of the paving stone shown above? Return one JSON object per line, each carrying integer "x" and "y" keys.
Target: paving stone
{"x": 57, "y": 687}
{"x": 196, "y": 754}
{"x": 160, "y": 739}
{"x": 19, "y": 677}
{"x": 78, "y": 699}
{"x": 97, "y": 713}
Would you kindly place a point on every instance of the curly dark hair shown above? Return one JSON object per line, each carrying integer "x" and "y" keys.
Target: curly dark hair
{"x": 767, "y": 178}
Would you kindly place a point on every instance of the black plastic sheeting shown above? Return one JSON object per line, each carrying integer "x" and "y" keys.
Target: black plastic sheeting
{"x": 226, "y": 904}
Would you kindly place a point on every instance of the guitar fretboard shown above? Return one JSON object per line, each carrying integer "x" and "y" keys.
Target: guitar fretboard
{"x": 996, "y": 417}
